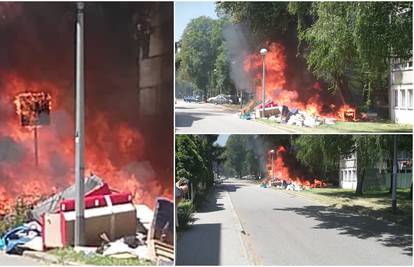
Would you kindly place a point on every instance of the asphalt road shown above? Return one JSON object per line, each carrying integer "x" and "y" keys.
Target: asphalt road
{"x": 283, "y": 229}
{"x": 205, "y": 118}
{"x": 14, "y": 260}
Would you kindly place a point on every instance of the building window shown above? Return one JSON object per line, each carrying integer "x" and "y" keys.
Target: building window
{"x": 396, "y": 98}
{"x": 403, "y": 98}
{"x": 410, "y": 98}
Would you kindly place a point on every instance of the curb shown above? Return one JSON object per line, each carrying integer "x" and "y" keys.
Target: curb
{"x": 47, "y": 258}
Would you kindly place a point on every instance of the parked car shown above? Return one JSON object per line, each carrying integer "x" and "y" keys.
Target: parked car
{"x": 192, "y": 99}
{"x": 220, "y": 99}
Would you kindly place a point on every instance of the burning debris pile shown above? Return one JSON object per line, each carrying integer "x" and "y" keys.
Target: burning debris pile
{"x": 37, "y": 68}
{"x": 284, "y": 178}
{"x": 113, "y": 224}
{"x": 288, "y": 102}
{"x": 117, "y": 146}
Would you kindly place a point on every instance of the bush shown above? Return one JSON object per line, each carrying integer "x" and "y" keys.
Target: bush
{"x": 185, "y": 213}
{"x": 18, "y": 215}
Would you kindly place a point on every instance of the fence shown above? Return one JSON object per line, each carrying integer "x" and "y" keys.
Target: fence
{"x": 382, "y": 181}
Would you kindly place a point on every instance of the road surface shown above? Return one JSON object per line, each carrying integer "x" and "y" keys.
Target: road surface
{"x": 285, "y": 229}
{"x": 15, "y": 260}
{"x": 205, "y": 118}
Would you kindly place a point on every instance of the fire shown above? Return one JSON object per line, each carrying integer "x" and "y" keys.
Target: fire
{"x": 113, "y": 150}
{"x": 283, "y": 172}
{"x": 283, "y": 92}
{"x": 33, "y": 108}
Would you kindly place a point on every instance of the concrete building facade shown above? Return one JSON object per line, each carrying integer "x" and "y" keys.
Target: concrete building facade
{"x": 401, "y": 91}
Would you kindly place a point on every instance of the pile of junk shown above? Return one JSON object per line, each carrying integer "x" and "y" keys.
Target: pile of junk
{"x": 114, "y": 225}
{"x": 292, "y": 116}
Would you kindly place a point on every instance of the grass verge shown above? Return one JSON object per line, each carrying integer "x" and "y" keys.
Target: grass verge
{"x": 344, "y": 127}
{"x": 376, "y": 203}
{"x": 69, "y": 255}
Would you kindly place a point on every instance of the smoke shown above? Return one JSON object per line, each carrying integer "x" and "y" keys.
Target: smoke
{"x": 10, "y": 151}
{"x": 236, "y": 41}
{"x": 38, "y": 52}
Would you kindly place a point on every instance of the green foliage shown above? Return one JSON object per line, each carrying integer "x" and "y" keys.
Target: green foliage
{"x": 242, "y": 155}
{"x": 194, "y": 159}
{"x": 19, "y": 215}
{"x": 326, "y": 147}
{"x": 69, "y": 256}
{"x": 265, "y": 18}
{"x": 185, "y": 214}
{"x": 203, "y": 59}
{"x": 346, "y": 44}
{"x": 370, "y": 149}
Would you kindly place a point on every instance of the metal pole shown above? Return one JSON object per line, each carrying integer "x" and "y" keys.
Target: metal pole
{"x": 273, "y": 162}
{"x": 79, "y": 135}
{"x": 36, "y": 153}
{"x": 394, "y": 177}
{"x": 264, "y": 85}
{"x": 241, "y": 99}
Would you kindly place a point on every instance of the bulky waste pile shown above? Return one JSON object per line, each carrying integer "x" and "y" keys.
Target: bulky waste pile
{"x": 114, "y": 226}
{"x": 292, "y": 185}
{"x": 291, "y": 116}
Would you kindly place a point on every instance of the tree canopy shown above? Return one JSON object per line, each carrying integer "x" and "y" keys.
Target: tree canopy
{"x": 203, "y": 57}
{"x": 346, "y": 44}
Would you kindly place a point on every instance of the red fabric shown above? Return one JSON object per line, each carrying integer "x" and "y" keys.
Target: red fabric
{"x": 96, "y": 201}
{"x": 121, "y": 198}
{"x": 267, "y": 105}
{"x": 103, "y": 190}
{"x": 90, "y": 202}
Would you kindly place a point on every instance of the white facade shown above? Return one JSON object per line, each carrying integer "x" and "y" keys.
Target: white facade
{"x": 401, "y": 92}
{"x": 348, "y": 171}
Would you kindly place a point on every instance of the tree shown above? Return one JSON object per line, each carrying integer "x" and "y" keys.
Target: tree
{"x": 235, "y": 153}
{"x": 198, "y": 52}
{"x": 327, "y": 147}
{"x": 265, "y": 18}
{"x": 347, "y": 44}
{"x": 193, "y": 160}
{"x": 357, "y": 39}
{"x": 203, "y": 59}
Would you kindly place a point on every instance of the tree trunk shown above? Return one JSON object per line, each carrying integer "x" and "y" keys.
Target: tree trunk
{"x": 360, "y": 183}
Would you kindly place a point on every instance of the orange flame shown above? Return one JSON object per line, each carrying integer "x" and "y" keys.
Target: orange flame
{"x": 113, "y": 150}
{"x": 281, "y": 171}
{"x": 282, "y": 92}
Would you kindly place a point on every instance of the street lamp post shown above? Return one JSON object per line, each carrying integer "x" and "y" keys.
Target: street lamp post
{"x": 394, "y": 177}
{"x": 273, "y": 162}
{"x": 79, "y": 132}
{"x": 263, "y": 52}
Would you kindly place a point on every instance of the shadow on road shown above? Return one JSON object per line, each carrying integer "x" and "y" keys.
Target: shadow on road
{"x": 360, "y": 226}
{"x": 204, "y": 248}
{"x": 183, "y": 119}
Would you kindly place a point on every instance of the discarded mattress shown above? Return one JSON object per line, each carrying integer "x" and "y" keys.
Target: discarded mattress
{"x": 112, "y": 214}
{"x": 93, "y": 186}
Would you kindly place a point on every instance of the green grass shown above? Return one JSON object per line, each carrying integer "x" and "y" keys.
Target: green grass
{"x": 375, "y": 203}
{"x": 69, "y": 255}
{"x": 344, "y": 127}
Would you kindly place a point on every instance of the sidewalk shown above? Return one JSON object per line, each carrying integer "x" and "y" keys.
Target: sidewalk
{"x": 215, "y": 237}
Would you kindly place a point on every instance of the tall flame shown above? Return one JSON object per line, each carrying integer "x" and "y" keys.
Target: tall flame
{"x": 114, "y": 152}
{"x": 282, "y": 171}
{"x": 284, "y": 92}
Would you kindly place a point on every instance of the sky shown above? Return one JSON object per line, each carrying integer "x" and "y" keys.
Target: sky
{"x": 222, "y": 139}
{"x": 186, "y": 11}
